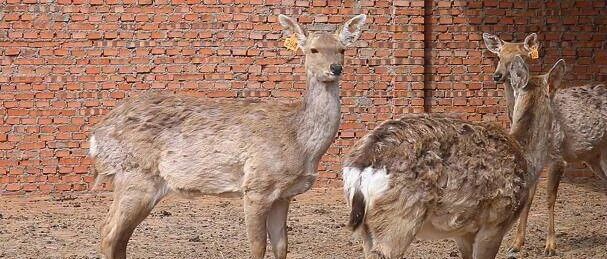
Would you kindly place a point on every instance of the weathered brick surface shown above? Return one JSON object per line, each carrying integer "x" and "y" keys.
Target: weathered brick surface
{"x": 66, "y": 63}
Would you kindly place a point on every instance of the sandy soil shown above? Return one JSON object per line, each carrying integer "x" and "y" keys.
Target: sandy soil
{"x": 67, "y": 227}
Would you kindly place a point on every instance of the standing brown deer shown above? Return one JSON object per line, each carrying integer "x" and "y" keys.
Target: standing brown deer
{"x": 267, "y": 153}
{"x": 580, "y": 133}
{"x": 433, "y": 177}
{"x": 506, "y": 52}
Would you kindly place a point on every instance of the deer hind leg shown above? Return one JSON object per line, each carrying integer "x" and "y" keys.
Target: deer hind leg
{"x": 134, "y": 198}
{"x": 604, "y": 164}
{"x": 465, "y": 245}
{"x": 554, "y": 178}
{"x": 402, "y": 229}
{"x": 487, "y": 242}
{"x": 519, "y": 239}
{"x": 599, "y": 165}
{"x": 367, "y": 240}
{"x": 277, "y": 227}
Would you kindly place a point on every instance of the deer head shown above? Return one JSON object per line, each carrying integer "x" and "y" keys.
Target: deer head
{"x": 507, "y": 51}
{"x": 533, "y": 95}
{"x": 324, "y": 52}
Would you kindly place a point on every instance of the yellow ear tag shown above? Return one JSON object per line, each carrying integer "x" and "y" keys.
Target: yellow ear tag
{"x": 534, "y": 53}
{"x": 291, "y": 43}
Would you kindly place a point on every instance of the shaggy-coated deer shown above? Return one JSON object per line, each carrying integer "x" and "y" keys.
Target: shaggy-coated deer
{"x": 580, "y": 134}
{"x": 267, "y": 153}
{"x": 433, "y": 177}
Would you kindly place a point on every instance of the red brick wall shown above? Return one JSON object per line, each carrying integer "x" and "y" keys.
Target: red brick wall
{"x": 65, "y": 64}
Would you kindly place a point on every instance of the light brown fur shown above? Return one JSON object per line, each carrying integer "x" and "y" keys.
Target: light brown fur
{"x": 506, "y": 51}
{"x": 153, "y": 145}
{"x": 446, "y": 178}
{"x": 580, "y": 134}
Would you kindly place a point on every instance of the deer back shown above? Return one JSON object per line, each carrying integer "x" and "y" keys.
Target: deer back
{"x": 196, "y": 143}
{"x": 581, "y": 113}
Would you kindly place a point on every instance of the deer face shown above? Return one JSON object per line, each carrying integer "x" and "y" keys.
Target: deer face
{"x": 532, "y": 95}
{"x": 325, "y": 51}
{"x": 506, "y": 51}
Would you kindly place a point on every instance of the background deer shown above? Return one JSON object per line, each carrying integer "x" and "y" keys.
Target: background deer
{"x": 579, "y": 130}
{"x": 154, "y": 145}
{"x": 506, "y": 52}
{"x": 433, "y": 177}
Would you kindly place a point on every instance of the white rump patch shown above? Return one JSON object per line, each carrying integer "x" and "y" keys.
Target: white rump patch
{"x": 371, "y": 182}
{"x": 351, "y": 176}
{"x": 92, "y": 147}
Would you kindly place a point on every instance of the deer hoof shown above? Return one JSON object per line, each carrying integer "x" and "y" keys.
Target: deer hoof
{"x": 549, "y": 251}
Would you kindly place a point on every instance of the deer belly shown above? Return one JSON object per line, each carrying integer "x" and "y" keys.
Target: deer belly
{"x": 214, "y": 175}
{"x": 301, "y": 184}
{"x": 447, "y": 226}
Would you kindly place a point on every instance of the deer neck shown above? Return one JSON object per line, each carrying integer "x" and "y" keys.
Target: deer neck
{"x": 509, "y": 94}
{"x": 537, "y": 140}
{"x": 319, "y": 117}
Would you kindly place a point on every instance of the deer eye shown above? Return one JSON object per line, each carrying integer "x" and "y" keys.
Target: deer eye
{"x": 314, "y": 50}
{"x": 342, "y": 51}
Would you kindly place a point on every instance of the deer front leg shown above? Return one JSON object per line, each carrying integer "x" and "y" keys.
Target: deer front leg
{"x": 519, "y": 239}
{"x": 554, "y": 178}
{"x": 465, "y": 245}
{"x": 277, "y": 227}
{"x": 487, "y": 242}
{"x": 599, "y": 165}
{"x": 256, "y": 213}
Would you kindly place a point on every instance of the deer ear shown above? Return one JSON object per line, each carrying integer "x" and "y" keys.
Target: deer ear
{"x": 350, "y": 31}
{"x": 555, "y": 76}
{"x": 519, "y": 73}
{"x": 531, "y": 42}
{"x": 293, "y": 27}
{"x": 493, "y": 43}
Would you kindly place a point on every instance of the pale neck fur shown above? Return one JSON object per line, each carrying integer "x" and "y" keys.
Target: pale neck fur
{"x": 537, "y": 145}
{"x": 318, "y": 118}
{"x": 538, "y": 138}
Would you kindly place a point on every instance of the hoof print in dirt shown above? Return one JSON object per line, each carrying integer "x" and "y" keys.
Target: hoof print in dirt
{"x": 165, "y": 213}
{"x": 320, "y": 211}
{"x": 195, "y": 239}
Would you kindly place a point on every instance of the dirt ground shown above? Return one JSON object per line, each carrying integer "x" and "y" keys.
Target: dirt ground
{"x": 67, "y": 227}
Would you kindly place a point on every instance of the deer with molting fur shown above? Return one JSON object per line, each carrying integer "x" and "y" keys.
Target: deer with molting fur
{"x": 267, "y": 153}
{"x": 579, "y": 130}
{"x": 433, "y": 177}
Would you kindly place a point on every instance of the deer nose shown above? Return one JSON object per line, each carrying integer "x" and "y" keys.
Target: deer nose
{"x": 497, "y": 77}
{"x": 336, "y": 69}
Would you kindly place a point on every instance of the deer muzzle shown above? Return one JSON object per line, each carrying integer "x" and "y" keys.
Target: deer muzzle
{"x": 336, "y": 69}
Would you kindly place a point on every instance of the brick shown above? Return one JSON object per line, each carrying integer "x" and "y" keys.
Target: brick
{"x": 63, "y": 187}
{"x": 11, "y": 187}
{"x": 12, "y": 51}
